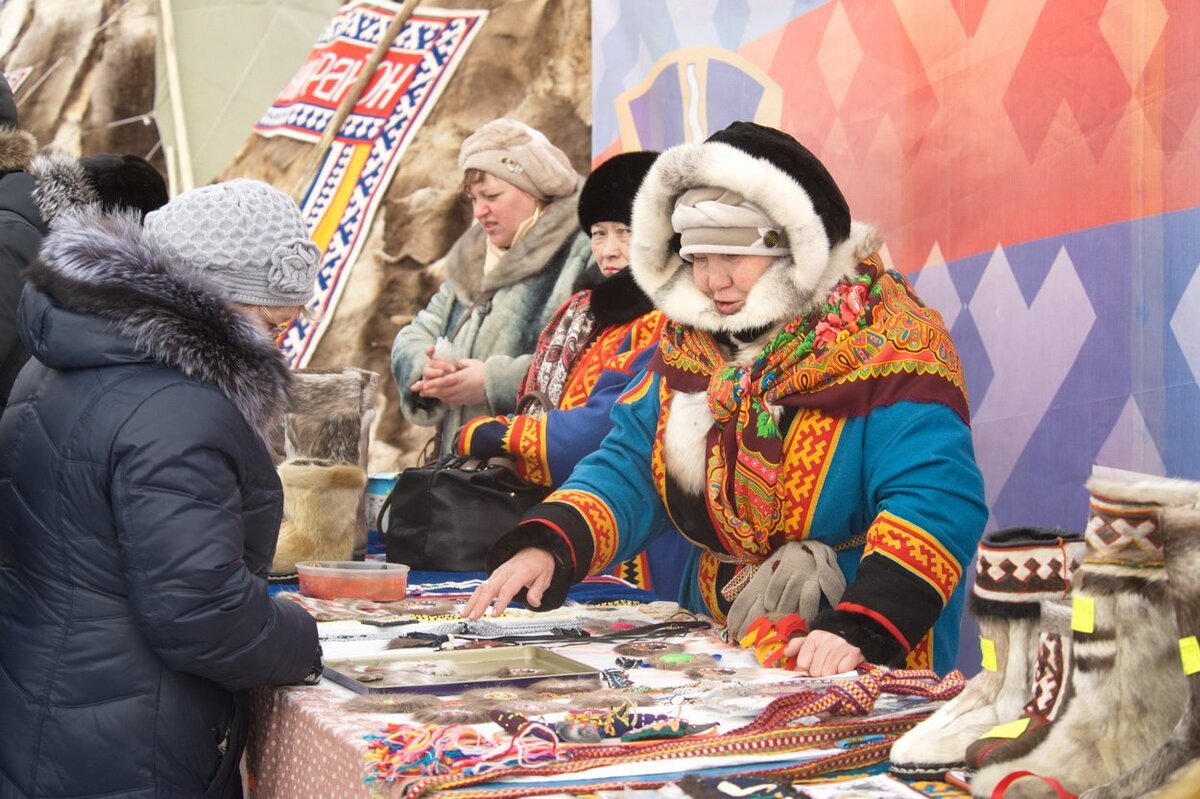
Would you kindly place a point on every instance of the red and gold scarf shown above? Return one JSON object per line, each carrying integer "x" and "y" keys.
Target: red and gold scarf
{"x": 871, "y": 343}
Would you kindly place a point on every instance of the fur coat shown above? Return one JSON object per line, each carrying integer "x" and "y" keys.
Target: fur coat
{"x": 140, "y": 509}
{"x": 528, "y": 283}
{"x": 21, "y": 231}
{"x": 56, "y": 183}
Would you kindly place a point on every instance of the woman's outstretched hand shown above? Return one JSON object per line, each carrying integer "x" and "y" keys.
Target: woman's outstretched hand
{"x": 531, "y": 568}
{"x": 821, "y": 654}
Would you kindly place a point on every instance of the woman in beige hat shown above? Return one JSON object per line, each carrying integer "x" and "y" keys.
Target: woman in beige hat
{"x": 504, "y": 278}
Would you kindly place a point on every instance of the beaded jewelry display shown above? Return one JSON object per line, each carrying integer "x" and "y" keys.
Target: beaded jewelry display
{"x": 391, "y": 703}
{"x": 557, "y": 686}
{"x": 681, "y": 661}
{"x": 713, "y": 673}
{"x": 423, "y": 606}
{"x": 646, "y": 649}
{"x": 608, "y": 698}
{"x": 496, "y": 695}
{"x": 442, "y": 715}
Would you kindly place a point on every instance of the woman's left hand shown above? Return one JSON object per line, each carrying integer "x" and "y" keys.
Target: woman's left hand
{"x": 464, "y": 386}
{"x": 821, "y": 653}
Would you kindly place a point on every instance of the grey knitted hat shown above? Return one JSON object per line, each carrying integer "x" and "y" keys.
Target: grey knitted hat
{"x": 247, "y": 237}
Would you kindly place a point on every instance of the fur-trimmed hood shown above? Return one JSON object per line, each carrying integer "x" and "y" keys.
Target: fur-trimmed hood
{"x": 462, "y": 266}
{"x": 17, "y": 148}
{"x": 792, "y": 286}
{"x": 62, "y": 185}
{"x": 99, "y": 266}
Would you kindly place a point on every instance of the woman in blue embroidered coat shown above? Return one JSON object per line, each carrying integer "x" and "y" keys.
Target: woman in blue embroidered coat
{"x": 804, "y": 411}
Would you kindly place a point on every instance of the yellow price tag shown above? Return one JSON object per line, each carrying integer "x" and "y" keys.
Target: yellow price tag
{"x": 988, "y": 647}
{"x": 1012, "y": 729}
{"x": 1083, "y": 614}
{"x": 1189, "y": 653}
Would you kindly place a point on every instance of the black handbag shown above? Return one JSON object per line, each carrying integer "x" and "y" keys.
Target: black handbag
{"x": 445, "y": 516}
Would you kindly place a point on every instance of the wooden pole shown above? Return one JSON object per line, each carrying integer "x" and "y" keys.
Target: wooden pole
{"x": 351, "y": 99}
{"x": 182, "y": 148}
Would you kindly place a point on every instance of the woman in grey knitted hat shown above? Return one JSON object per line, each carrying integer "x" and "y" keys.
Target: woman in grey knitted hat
{"x": 140, "y": 502}
{"x": 466, "y": 353}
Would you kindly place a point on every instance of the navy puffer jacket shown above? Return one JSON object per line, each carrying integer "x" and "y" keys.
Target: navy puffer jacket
{"x": 139, "y": 509}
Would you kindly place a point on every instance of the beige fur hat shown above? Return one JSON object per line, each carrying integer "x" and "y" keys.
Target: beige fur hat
{"x": 520, "y": 155}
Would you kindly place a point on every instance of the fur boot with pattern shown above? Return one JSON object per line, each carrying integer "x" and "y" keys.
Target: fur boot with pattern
{"x": 322, "y": 508}
{"x": 329, "y": 418}
{"x": 1181, "y": 752}
{"x": 1124, "y": 680}
{"x": 1052, "y": 693}
{"x": 1015, "y": 570}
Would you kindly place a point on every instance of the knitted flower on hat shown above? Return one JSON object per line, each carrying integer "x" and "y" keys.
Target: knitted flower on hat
{"x": 245, "y": 236}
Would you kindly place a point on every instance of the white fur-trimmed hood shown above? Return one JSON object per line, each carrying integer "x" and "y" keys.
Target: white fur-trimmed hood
{"x": 792, "y": 286}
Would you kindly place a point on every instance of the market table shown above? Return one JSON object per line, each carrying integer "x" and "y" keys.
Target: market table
{"x": 305, "y": 741}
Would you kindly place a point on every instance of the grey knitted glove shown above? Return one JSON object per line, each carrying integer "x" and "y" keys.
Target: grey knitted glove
{"x": 791, "y": 580}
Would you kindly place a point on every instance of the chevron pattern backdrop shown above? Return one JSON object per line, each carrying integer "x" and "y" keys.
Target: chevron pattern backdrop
{"x": 1034, "y": 166}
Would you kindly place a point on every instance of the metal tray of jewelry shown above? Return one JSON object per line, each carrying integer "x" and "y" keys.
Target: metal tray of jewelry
{"x": 456, "y": 670}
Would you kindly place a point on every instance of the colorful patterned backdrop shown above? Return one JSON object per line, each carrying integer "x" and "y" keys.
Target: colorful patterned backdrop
{"x": 1034, "y": 166}
{"x": 354, "y": 175}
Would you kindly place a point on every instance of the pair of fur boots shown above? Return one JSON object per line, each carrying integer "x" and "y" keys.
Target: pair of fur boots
{"x": 1016, "y": 571}
{"x": 1113, "y": 712}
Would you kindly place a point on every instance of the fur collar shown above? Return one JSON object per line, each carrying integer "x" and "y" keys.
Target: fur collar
{"x": 462, "y": 266}
{"x": 618, "y": 300}
{"x": 100, "y": 265}
{"x": 62, "y": 184}
{"x": 17, "y": 149}
{"x": 791, "y": 287}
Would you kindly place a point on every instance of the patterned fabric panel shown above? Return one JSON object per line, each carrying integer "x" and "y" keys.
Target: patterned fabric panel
{"x": 526, "y": 439}
{"x": 811, "y": 443}
{"x": 600, "y": 521}
{"x": 1124, "y": 533}
{"x": 916, "y": 551}
{"x": 590, "y": 365}
{"x": 1026, "y": 573}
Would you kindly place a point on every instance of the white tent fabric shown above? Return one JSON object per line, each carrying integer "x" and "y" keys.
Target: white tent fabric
{"x": 219, "y": 66}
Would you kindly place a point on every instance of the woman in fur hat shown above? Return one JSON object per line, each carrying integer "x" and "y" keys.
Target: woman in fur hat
{"x": 139, "y": 505}
{"x": 592, "y": 347}
{"x": 803, "y": 424}
{"x": 504, "y": 277}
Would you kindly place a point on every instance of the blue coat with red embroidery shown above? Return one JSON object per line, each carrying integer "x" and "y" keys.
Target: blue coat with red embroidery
{"x": 891, "y": 458}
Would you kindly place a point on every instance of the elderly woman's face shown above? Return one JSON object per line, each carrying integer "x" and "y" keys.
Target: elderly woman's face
{"x": 500, "y": 208}
{"x": 727, "y": 279}
{"x": 610, "y": 245}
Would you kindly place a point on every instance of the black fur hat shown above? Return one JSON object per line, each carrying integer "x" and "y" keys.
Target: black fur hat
{"x": 793, "y": 158}
{"x": 8, "y": 106}
{"x": 607, "y": 194}
{"x": 126, "y": 181}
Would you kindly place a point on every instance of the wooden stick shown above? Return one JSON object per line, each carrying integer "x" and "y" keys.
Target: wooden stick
{"x": 352, "y": 97}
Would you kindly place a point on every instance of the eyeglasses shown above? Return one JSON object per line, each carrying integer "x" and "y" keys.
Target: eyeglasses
{"x": 267, "y": 316}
